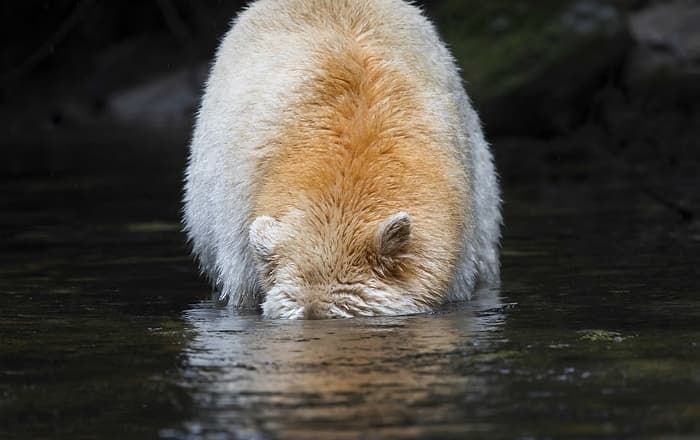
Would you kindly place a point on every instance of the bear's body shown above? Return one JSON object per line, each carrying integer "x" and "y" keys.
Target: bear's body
{"x": 337, "y": 167}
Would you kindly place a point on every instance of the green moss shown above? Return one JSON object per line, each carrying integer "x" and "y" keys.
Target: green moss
{"x": 602, "y": 336}
{"x": 505, "y": 44}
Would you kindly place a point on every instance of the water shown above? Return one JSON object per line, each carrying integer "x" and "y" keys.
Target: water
{"x": 106, "y": 331}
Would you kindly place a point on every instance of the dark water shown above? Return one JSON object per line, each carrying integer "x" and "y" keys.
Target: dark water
{"x": 106, "y": 331}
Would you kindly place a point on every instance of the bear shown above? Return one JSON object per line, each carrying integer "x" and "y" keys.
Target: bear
{"x": 337, "y": 167}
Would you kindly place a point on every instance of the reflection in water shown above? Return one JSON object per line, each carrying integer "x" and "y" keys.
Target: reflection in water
{"x": 250, "y": 375}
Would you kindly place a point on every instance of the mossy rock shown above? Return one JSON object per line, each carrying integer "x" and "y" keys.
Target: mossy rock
{"x": 531, "y": 68}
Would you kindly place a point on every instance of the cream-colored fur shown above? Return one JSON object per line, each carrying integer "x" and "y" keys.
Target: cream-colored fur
{"x": 337, "y": 168}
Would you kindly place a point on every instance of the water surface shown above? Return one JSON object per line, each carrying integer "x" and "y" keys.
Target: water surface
{"x": 106, "y": 330}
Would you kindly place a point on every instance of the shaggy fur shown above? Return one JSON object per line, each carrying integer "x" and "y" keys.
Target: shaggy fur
{"x": 337, "y": 168}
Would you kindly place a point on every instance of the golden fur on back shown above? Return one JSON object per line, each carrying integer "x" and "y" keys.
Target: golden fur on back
{"x": 354, "y": 150}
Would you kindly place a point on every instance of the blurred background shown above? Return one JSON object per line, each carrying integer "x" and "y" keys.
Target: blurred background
{"x": 567, "y": 89}
{"x": 593, "y": 111}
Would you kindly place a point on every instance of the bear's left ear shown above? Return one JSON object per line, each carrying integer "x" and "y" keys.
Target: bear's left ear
{"x": 394, "y": 234}
{"x": 263, "y": 234}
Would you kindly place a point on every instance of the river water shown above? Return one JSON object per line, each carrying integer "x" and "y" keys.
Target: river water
{"x": 107, "y": 332}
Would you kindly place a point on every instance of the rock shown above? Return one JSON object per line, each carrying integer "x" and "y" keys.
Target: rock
{"x": 164, "y": 102}
{"x": 674, "y": 27}
{"x": 667, "y": 38}
{"x": 591, "y": 17}
{"x": 532, "y": 69}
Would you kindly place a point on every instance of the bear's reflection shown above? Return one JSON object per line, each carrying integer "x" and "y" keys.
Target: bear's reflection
{"x": 246, "y": 372}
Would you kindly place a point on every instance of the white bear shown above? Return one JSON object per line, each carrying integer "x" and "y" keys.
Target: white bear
{"x": 337, "y": 167}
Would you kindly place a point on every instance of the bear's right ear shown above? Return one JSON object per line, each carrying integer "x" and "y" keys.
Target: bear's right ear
{"x": 263, "y": 234}
{"x": 394, "y": 234}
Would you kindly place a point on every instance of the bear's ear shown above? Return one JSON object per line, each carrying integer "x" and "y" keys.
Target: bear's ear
{"x": 263, "y": 234}
{"x": 394, "y": 234}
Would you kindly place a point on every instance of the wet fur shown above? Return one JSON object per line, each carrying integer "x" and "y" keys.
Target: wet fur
{"x": 324, "y": 120}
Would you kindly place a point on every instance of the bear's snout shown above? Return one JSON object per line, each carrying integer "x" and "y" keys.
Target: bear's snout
{"x": 317, "y": 310}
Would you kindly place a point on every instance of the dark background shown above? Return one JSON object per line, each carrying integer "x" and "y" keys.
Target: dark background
{"x": 592, "y": 109}
{"x": 570, "y": 92}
